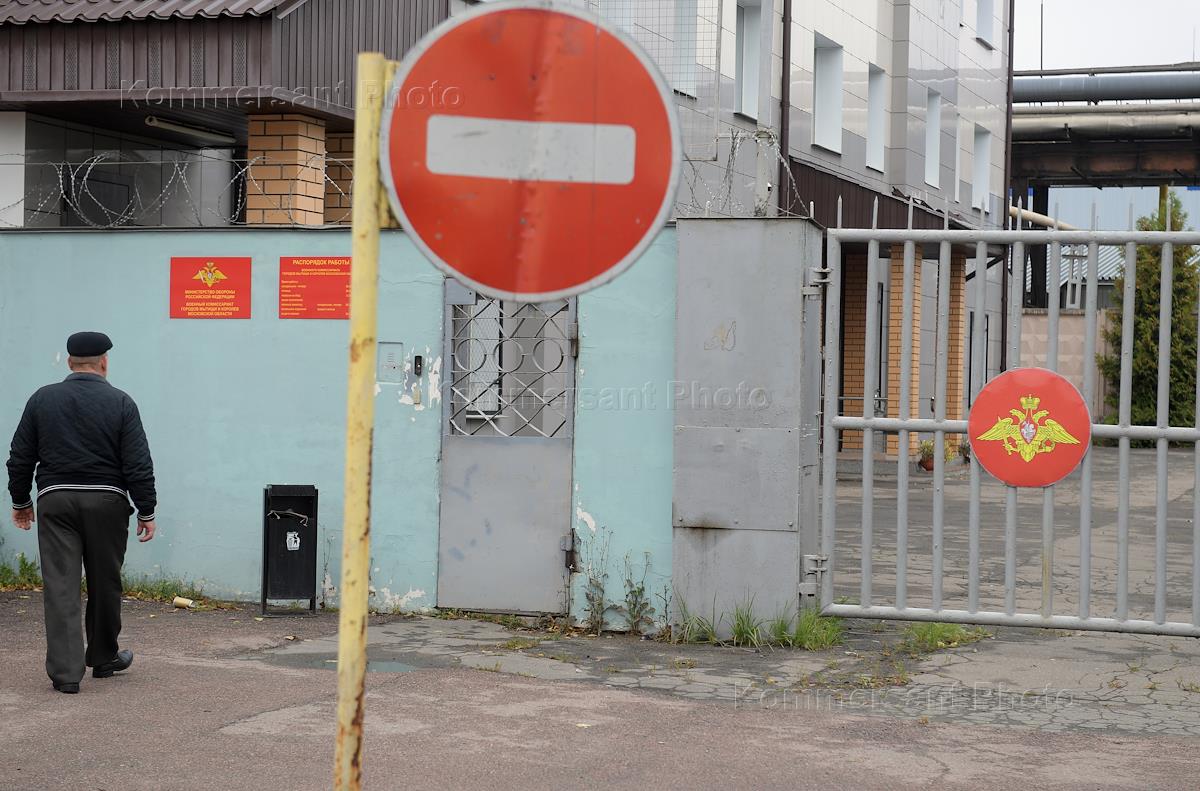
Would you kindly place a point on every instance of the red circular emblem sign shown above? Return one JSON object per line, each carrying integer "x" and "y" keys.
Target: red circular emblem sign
{"x": 529, "y": 150}
{"x": 1029, "y": 427}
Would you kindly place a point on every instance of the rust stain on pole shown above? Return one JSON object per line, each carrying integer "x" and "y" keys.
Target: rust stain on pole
{"x": 374, "y": 75}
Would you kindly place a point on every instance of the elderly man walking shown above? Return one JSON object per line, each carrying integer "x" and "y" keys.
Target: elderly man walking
{"x": 84, "y": 439}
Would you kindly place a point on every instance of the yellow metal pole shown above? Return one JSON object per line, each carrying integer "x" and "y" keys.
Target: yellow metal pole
{"x": 360, "y": 422}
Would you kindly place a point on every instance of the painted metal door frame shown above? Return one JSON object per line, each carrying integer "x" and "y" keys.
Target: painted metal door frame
{"x": 870, "y": 425}
{"x": 513, "y": 419}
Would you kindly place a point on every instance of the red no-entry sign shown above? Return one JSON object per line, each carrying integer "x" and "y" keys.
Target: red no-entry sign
{"x": 1029, "y": 427}
{"x": 530, "y": 151}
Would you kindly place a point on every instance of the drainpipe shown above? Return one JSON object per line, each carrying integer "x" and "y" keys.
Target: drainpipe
{"x": 784, "y": 197}
{"x": 1007, "y": 189}
{"x": 763, "y": 205}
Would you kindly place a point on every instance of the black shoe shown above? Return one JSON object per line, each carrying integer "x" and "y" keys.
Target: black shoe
{"x": 68, "y": 688}
{"x": 122, "y": 662}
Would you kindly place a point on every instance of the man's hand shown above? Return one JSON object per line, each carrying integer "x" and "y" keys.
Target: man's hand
{"x": 23, "y": 517}
{"x": 145, "y": 531}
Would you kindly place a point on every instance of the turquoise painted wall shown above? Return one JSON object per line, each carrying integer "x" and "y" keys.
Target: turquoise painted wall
{"x": 230, "y": 406}
{"x": 623, "y": 429}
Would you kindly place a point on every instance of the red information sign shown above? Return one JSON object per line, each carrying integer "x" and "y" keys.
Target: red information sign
{"x": 1029, "y": 427}
{"x": 210, "y": 288}
{"x": 314, "y": 288}
{"x": 531, "y": 151}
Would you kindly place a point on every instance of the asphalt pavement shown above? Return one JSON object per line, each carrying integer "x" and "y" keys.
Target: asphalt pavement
{"x": 220, "y": 699}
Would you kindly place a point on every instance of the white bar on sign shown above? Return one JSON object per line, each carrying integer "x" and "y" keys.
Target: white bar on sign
{"x": 494, "y": 148}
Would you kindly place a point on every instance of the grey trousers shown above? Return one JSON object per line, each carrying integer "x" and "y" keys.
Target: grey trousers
{"x": 88, "y": 529}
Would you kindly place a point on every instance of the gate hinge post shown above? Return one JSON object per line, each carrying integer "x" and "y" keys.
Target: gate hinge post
{"x": 812, "y": 570}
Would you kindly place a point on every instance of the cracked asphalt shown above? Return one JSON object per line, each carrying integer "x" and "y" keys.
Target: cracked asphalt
{"x": 220, "y": 699}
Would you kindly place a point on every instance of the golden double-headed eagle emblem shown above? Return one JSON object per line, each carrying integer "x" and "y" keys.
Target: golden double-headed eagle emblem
{"x": 209, "y": 275}
{"x": 1028, "y": 432}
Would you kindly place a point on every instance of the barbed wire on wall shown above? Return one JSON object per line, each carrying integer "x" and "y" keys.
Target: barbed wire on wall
{"x": 712, "y": 188}
{"x": 116, "y": 190}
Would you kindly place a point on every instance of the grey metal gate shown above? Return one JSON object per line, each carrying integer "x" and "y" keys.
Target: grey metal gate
{"x": 1126, "y": 566}
{"x": 505, "y": 532}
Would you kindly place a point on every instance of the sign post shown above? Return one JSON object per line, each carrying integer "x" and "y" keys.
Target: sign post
{"x": 360, "y": 423}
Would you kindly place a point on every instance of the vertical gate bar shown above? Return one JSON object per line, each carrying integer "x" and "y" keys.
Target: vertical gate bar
{"x": 1016, "y": 287}
{"x": 905, "y": 412}
{"x": 941, "y": 374}
{"x": 1196, "y": 497}
{"x": 978, "y": 364}
{"x": 833, "y": 315}
{"x": 870, "y": 385}
{"x": 1089, "y": 394}
{"x": 1053, "y": 264}
{"x": 1125, "y": 408}
{"x": 1166, "y": 278}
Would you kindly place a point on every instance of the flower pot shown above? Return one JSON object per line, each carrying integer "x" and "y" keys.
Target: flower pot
{"x": 926, "y": 464}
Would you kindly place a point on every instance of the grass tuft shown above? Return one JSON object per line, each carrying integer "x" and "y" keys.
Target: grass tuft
{"x": 24, "y": 576}
{"x": 520, "y": 643}
{"x": 928, "y": 637}
{"x": 747, "y": 630}
{"x": 779, "y": 630}
{"x": 816, "y": 632}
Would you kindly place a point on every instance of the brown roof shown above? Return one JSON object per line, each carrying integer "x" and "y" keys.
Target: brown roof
{"x": 19, "y": 12}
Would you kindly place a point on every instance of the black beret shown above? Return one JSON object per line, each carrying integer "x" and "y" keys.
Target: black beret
{"x": 88, "y": 344}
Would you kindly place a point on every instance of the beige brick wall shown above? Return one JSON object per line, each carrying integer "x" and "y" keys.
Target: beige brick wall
{"x": 955, "y": 379}
{"x": 854, "y": 311}
{"x": 340, "y": 177}
{"x": 286, "y": 179}
{"x": 854, "y": 337}
{"x": 895, "y": 338}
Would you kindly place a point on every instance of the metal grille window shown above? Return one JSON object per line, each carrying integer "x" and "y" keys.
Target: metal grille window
{"x": 511, "y": 368}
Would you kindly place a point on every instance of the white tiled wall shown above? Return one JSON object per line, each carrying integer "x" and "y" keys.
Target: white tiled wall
{"x": 923, "y": 45}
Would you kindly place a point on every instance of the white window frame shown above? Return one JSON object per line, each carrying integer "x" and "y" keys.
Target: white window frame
{"x": 985, "y": 25}
{"x": 828, "y": 82}
{"x": 933, "y": 139}
{"x": 748, "y": 35}
{"x": 877, "y": 82}
{"x": 982, "y": 175}
{"x": 687, "y": 21}
{"x": 958, "y": 155}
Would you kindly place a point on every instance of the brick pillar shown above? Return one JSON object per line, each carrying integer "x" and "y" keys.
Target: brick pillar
{"x": 339, "y": 177}
{"x": 896, "y": 362}
{"x": 956, "y": 362}
{"x": 286, "y": 180}
{"x": 854, "y": 337}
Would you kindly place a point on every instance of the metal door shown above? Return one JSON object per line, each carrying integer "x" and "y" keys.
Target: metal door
{"x": 505, "y": 532}
{"x": 1119, "y": 548}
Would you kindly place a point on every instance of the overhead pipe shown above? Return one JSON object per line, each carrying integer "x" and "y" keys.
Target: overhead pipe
{"x": 1184, "y": 66}
{"x": 1123, "y": 125}
{"x": 1037, "y": 218}
{"x": 1146, "y": 108}
{"x": 1103, "y": 87}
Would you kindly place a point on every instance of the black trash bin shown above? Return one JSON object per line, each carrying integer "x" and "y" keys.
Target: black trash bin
{"x": 289, "y": 565}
